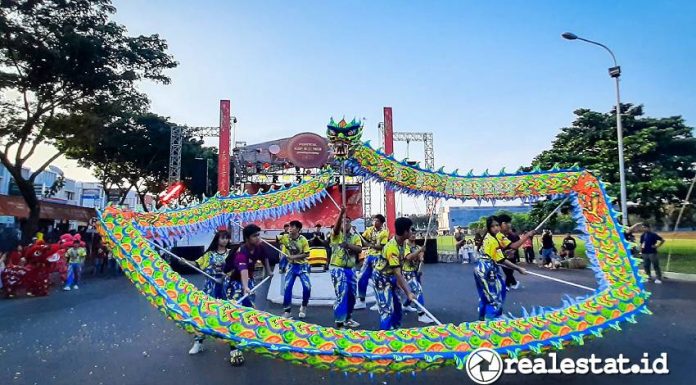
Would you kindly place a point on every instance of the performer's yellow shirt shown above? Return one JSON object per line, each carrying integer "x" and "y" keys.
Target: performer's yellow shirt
{"x": 290, "y": 246}
{"x": 411, "y": 265}
{"x": 212, "y": 260}
{"x": 493, "y": 246}
{"x": 392, "y": 257}
{"x": 377, "y": 237}
{"x": 340, "y": 257}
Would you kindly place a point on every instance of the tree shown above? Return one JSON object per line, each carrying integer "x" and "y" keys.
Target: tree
{"x": 132, "y": 153}
{"x": 659, "y": 155}
{"x": 62, "y": 64}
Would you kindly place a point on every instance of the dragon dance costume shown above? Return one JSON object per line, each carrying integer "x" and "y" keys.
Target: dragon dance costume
{"x": 343, "y": 276}
{"x": 244, "y": 259}
{"x": 386, "y": 289}
{"x": 376, "y": 237}
{"x": 298, "y": 268}
{"x": 213, "y": 262}
{"x": 76, "y": 257}
{"x": 410, "y": 272}
{"x": 489, "y": 279}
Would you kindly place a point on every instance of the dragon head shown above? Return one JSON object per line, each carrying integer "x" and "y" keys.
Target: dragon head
{"x": 343, "y": 137}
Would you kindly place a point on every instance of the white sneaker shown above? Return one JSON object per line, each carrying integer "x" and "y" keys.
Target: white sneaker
{"x": 67, "y": 288}
{"x": 287, "y": 315}
{"x": 196, "y": 348}
{"x": 515, "y": 286}
{"x": 351, "y": 324}
{"x": 410, "y": 309}
{"x": 75, "y": 287}
{"x": 374, "y": 307}
{"x": 425, "y": 319}
{"x": 360, "y": 305}
{"x": 303, "y": 312}
{"x": 236, "y": 357}
{"x": 658, "y": 281}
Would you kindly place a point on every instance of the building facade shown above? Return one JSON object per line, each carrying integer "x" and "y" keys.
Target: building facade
{"x": 450, "y": 217}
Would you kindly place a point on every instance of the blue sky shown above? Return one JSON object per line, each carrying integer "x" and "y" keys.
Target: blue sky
{"x": 493, "y": 81}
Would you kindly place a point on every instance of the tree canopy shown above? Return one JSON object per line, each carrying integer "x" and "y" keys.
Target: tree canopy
{"x": 65, "y": 70}
{"x": 659, "y": 153}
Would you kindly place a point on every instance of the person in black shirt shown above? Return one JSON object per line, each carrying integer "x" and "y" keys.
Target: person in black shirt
{"x": 649, "y": 243}
{"x": 318, "y": 239}
{"x": 568, "y": 248}
{"x": 548, "y": 249}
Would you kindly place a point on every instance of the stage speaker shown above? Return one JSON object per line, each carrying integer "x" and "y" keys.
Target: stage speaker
{"x": 190, "y": 253}
{"x": 199, "y": 178}
{"x": 430, "y": 252}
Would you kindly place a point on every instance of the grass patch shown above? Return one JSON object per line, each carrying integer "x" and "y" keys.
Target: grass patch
{"x": 683, "y": 250}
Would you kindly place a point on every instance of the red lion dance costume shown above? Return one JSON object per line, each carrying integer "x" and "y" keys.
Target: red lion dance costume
{"x": 33, "y": 274}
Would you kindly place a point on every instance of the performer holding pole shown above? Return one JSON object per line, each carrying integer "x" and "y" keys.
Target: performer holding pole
{"x": 388, "y": 278}
{"x": 240, "y": 267}
{"x": 345, "y": 247}
{"x": 296, "y": 249}
{"x": 212, "y": 263}
{"x": 183, "y": 260}
{"x": 240, "y": 270}
{"x": 412, "y": 262}
{"x": 488, "y": 277}
{"x": 377, "y": 237}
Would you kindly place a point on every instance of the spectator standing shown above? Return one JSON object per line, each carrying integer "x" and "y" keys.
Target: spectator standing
{"x": 99, "y": 260}
{"x": 318, "y": 238}
{"x": 459, "y": 243}
{"x": 3, "y": 258}
{"x": 528, "y": 248}
{"x": 649, "y": 243}
{"x": 111, "y": 265}
{"x": 75, "y": 260}
{"x": 548, "y": 249}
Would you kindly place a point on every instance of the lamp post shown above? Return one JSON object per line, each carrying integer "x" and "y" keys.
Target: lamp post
{"x": 614, "y": 72}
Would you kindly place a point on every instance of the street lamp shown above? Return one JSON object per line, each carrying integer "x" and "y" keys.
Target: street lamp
{"x": 614, "y": 72}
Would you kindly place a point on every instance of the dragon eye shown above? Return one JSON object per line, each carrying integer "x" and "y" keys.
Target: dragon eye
{"x": 351, "y": 133}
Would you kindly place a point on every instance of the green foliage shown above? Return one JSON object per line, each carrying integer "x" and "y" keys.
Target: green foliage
{"x": 66, "y": 69}
{"x": 132, "y": 152}
{"x": 659, "y": 155}
{"x": 560, "y": 223}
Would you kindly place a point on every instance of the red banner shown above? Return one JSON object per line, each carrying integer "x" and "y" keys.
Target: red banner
{"x": 224, "y": 149}
{"x": 324, "y": 213}
{"x": 389, "y": 199}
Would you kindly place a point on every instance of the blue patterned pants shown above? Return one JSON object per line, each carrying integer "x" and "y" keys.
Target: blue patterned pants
{"x": 344, "y": 283}
{"x": 491, "y": 288}
{"x": 366, "y": 275}
{"x": 414, "y": 284}
{"x": 214, "y": 289}
{"x": 296, "y": 270}
{"x": 388, "y": 303}
{"x": 235, "y": 291}
{"x": 74, "y": 273}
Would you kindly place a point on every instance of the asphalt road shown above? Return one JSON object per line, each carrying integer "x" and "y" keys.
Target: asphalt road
{"x": 107, "y": 333}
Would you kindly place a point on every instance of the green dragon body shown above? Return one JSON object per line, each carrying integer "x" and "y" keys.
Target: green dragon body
{"x": 620, "y": 295}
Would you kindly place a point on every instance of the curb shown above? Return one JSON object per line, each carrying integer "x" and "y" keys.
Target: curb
{"x": 680, "y": 276}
